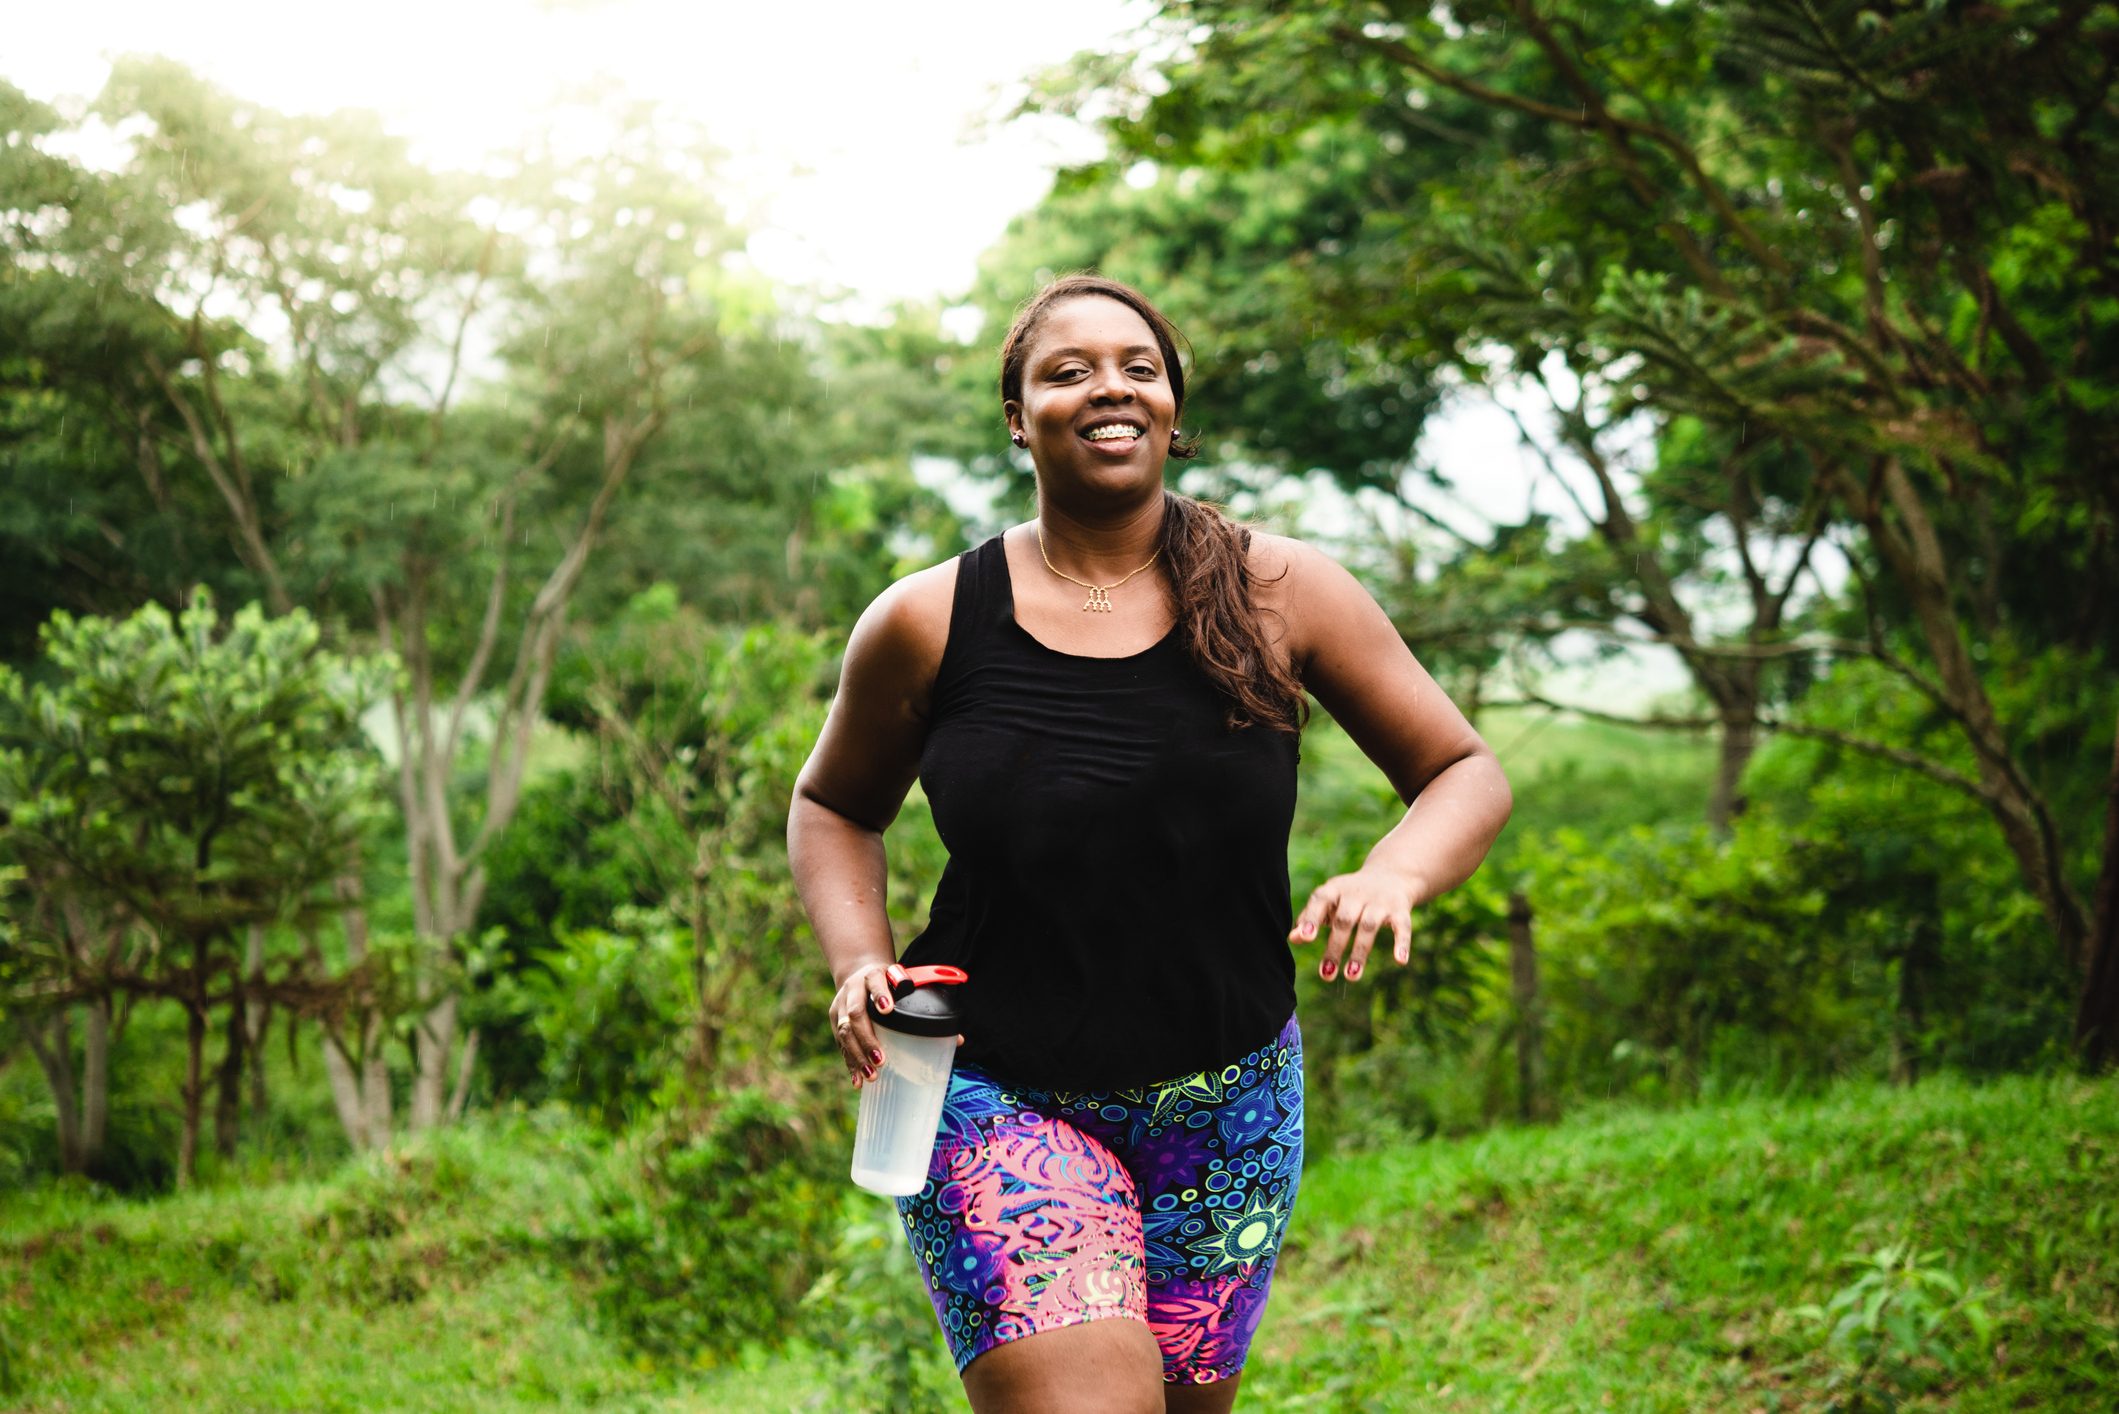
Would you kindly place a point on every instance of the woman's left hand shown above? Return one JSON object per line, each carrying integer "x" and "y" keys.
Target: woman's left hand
{"x": 1351, "y": 909}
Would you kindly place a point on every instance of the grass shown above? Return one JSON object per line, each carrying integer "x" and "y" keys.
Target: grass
{"x": 1656, "y": 1262}
{"x": 1621, "y": 1260}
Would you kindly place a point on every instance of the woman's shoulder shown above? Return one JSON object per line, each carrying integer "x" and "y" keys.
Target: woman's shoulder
{"x": 907, "y": 624}
{"x": 1280, "y": 566}
{"x": 1301, "y": 586}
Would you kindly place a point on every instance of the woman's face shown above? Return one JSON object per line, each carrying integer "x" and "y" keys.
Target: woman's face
{"x": 1097, "y": 408}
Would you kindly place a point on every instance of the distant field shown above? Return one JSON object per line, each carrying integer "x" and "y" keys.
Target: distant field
{"x": 1626, "y": 1261}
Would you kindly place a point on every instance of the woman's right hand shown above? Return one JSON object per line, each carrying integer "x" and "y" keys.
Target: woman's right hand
{"x": 859, "y": 1045}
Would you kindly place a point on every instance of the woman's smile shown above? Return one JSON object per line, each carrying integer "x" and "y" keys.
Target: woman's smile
{"x": 1115, "y": 434}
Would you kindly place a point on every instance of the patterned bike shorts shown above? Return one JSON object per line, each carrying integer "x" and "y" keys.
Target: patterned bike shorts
{"x": 1164, "y": 1203}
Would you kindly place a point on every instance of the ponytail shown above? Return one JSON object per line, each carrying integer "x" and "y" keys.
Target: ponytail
{"x": 1207, "y": 560}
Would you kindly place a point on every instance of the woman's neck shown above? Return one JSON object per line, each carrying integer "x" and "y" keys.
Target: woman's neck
{"x": 1111, "y": 545}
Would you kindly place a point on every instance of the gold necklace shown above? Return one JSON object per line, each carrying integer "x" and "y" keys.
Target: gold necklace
{"x": 1099, "y": 594}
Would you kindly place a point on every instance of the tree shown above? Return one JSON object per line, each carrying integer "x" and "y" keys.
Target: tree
{"x": 304, "y": 341}
{"x": 175, "y": 784}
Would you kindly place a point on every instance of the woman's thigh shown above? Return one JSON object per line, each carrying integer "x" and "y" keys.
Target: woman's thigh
{"x": 1026, "y": 1225}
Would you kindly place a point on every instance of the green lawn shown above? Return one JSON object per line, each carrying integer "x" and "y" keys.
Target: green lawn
{"x": 1626, "y": 1261}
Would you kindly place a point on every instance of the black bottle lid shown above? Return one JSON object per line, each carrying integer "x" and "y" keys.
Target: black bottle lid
{"x": 922, "y": 1004}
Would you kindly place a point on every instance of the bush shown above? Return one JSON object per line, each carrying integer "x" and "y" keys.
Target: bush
{"x": 1673, "y": 961}
{"x": 870, "y": 1316}
{"x": 1904, "y": 1322}
{"x": 607, "y": 1008}
{"x": 714, "y": 1238}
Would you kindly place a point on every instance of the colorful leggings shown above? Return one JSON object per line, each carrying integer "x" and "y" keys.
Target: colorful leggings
{"x": 1164, "y": 1203}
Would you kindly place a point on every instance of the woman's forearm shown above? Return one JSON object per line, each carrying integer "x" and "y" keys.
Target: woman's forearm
{"x": 1449, "y": 827}
{"x": 841, "y": 875}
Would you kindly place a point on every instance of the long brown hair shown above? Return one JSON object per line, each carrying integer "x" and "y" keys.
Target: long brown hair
{"x": 1206, "y": 554}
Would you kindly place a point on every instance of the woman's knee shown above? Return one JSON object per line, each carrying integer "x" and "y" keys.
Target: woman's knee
{"x": 1098, "y": 1367}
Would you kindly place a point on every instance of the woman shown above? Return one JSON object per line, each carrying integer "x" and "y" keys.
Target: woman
{"x": 1104, "y": 706}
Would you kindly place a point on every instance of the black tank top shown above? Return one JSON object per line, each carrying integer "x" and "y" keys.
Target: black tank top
{"x": 1117, "y": 884}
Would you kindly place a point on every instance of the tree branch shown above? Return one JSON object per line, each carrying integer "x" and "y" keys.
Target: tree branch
{"x": 456, "y": 345}
{"x": 250, "y": 535}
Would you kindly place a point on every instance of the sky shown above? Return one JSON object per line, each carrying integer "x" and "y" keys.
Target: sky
{"x": 831, "y": 111}
{"x": 868, "y": 155}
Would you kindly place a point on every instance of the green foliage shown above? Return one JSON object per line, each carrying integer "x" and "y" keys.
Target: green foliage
{"x": 606, "y": 1007}
{"x": 869, "y": 1318}
{"x": 400, "y": 1221}
{"x": 716, "y": 1237}
{"x": 1903, "y": 1315}
{"x": 1917, "y": 879}
{"x": 175, "y": 781}
{"x": 202, "y": 776}
{"x": 195, "y": 775}
{"x": 699, "y": 730}
{"x": 1366, "y": 1043}
{"x": 1671, "y": 956}
{"x": 1783, "y": 247}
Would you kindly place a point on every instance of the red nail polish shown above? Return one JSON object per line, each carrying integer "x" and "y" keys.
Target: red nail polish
{"x": 876, "y": 1056}
{"x": 882, "y": 1004}
{"x": 1353, "y": 974}
{"x": 1328, "y": 969}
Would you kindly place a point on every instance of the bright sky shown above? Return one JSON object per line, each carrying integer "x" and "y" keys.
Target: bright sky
{"x": 864, "y": 135}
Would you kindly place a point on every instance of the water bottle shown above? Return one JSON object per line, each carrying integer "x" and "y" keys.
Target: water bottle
{"x": 902, "y": 1107}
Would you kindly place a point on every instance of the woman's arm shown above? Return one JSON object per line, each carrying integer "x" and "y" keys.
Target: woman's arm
{"x": 1352, "y": 659}
{"x": 850, "y": 789}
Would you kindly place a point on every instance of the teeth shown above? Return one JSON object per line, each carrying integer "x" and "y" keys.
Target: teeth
{"x": 1112, "y": 431}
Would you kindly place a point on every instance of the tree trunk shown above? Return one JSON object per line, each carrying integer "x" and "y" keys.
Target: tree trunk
{"x": 447, "y": 881}
{"x": 375, "y": 1088}
{"x": 360, "y": 1087}
{"x": 95, "y": 1082}
{"x": 1739, "y": 738}
{"x": 434, "y": 1040}
{"x": 359, "y": 1078}
{"x": 228, "y": 1097}
{"x": 55, "y": 1053}
{"x": 2097, "y": 1016}
{"x": 466, "y": 1066}
{"x": 1916, "y": 557}
{"x": 256, "y": 1025}
{"x": 340, "y": 1074}
{"x": 194, "y": 1091}
{"x": 1531, "y": 1102}
{"x": 80, "y": 1106}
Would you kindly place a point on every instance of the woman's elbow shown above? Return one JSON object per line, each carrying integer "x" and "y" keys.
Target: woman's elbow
{"x": 1499, "y": 791}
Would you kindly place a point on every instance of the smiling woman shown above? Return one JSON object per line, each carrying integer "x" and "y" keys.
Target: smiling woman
{"x": 1121, "y": 1141}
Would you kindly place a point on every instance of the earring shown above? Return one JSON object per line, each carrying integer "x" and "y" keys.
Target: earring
{"x": 1019, "y": 439}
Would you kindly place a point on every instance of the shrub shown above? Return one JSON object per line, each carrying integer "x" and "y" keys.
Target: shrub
{"x": 713, "y": 1239}
{"x": 1904, "y": 1320}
